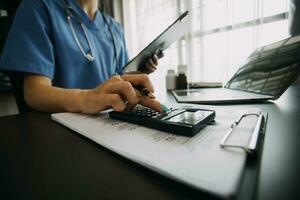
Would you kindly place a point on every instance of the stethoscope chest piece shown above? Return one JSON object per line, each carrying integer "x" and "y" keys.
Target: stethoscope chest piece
{"x": 89, "y": 57}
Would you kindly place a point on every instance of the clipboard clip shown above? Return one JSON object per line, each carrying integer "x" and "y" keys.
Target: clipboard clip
{"x": 252, "y": 145}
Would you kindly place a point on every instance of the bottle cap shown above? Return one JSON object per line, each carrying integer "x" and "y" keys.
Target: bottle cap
{"x": 171, "y": 71}
{"x": 182, "y": 69}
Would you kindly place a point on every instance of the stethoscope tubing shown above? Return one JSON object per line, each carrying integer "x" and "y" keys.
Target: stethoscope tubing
{"x": 90, "y": 55}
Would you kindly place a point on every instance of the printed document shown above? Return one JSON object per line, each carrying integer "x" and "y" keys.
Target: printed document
{"x": 198, "y": 161}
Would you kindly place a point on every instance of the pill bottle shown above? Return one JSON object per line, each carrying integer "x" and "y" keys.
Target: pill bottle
{"x": 181, "y": 80}
{"x": 171, "y": 80}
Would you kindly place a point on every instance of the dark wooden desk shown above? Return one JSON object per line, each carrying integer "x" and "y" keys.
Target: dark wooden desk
{"x": 40, "y": 159}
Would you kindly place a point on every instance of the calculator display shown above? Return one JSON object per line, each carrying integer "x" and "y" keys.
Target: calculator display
{"x": 188, "y": 117}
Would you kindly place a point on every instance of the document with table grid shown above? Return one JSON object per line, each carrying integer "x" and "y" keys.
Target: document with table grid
{"x": 198, "y": 161}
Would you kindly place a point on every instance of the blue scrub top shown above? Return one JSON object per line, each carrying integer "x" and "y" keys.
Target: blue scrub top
{"x": 41, "y": 42}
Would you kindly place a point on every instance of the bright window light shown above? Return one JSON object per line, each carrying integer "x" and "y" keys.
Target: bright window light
{"x": 223, "y": 33}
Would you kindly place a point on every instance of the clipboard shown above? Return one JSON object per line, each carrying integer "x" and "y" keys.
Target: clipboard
{"x": 253, "y": 146}
{"x": 254, "y": 153}
{"x": 156, "y": 150}
{"x": 175, "y": 31}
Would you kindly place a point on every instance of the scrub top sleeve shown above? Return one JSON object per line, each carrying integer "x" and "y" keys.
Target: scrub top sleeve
{"x": 29, "y": 46}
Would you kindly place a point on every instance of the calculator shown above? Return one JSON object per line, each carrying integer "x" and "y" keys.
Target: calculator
{"x": 182, "y": 121}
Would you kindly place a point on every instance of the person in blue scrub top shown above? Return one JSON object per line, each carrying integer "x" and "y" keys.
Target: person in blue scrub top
{"x": 71, "y": 56}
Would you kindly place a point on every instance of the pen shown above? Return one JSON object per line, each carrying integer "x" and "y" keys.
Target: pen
{"x": 142, "y": 91}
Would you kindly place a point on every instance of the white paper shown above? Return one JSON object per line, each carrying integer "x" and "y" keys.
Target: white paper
{"x": 198, "y": 161}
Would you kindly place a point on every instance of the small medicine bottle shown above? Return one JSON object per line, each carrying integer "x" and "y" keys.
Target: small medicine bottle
{"x": 181, "y": 81}
{"x": 171, "y": 80}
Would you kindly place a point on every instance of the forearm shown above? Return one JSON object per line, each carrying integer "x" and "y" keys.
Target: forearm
{"x": 47, "y": 98}
{"x": 116, "y": 93}
{"x": 53, "y": 99}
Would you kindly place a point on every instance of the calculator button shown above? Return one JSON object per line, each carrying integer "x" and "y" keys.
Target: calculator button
{"x": 143, "y": 111}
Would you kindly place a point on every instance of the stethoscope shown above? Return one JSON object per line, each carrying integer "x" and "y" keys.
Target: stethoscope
{"x": 70, "y": 12}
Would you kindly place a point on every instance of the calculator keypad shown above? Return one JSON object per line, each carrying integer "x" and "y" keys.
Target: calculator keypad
{"x": 143, "y": 111}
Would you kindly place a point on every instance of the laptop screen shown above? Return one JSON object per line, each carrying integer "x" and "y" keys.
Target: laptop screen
{"x": 269, "y": 70}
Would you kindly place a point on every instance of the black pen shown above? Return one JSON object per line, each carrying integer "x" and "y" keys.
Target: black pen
{"x": 142, "y": 91}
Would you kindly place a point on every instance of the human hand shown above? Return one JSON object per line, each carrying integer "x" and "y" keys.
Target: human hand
{"x": 152, "y": 63}
{"x": 118, "y": 93}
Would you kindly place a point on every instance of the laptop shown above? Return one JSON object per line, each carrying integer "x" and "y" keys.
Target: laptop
{"x": 265, "y": 75}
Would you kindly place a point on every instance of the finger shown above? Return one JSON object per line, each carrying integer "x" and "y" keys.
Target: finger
{"x": 140, "y": 91}
{"x": 153, "y": 62}
{"x": 115, "y": 79}
{"x": 151, "y": 67}
{"x": 151, "y": 103}
{"x": 107, "y": 85}
{"x": 160, "y": 54}
{"x": 116, "y": 102}
{"x": 154, "y": 59}
{"x": 125, "y": 90}
{"x": 147, "y": 69}
{"x": 139, "y": 79}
